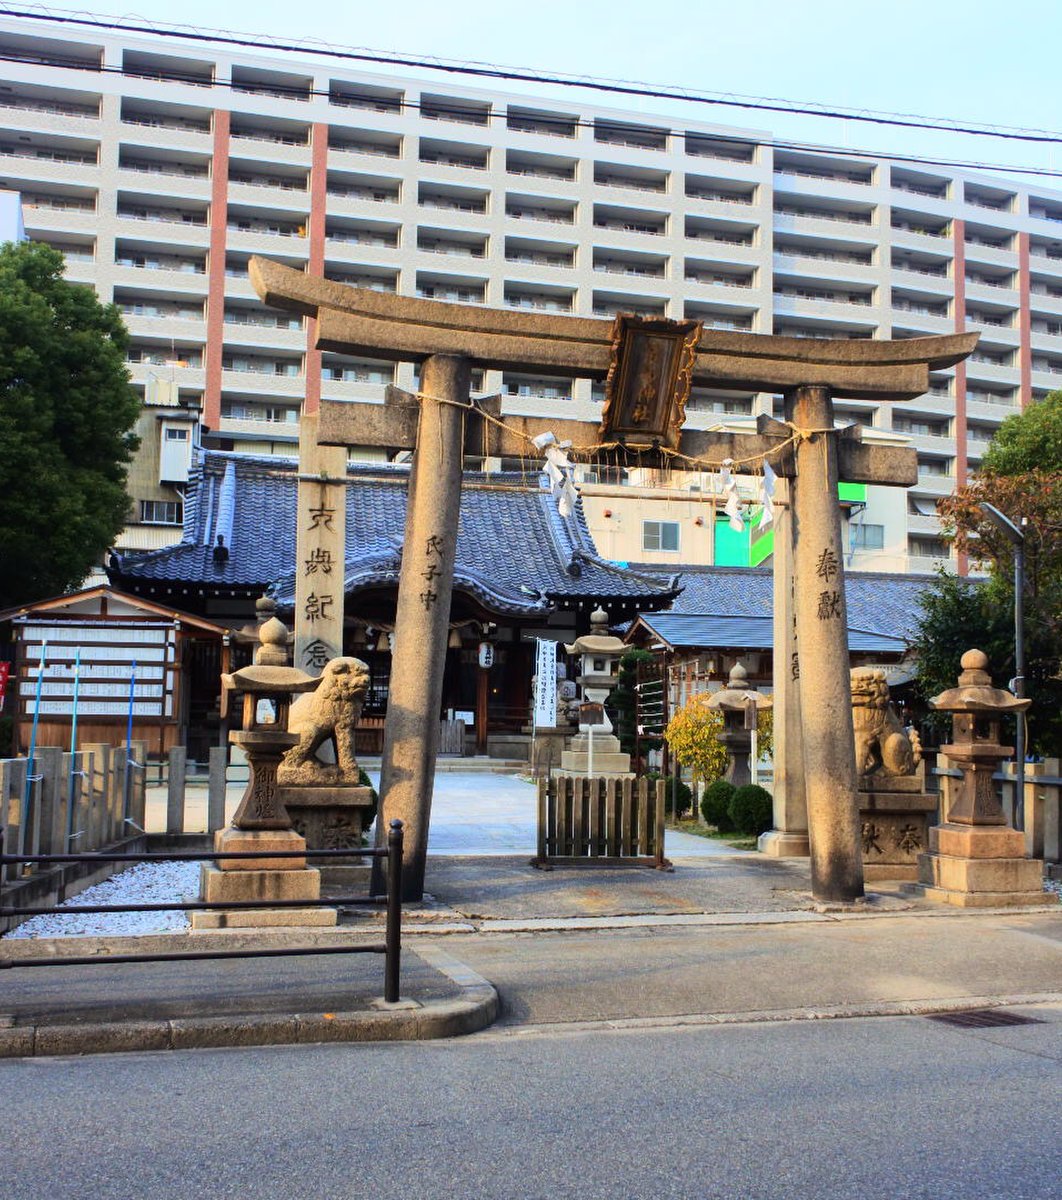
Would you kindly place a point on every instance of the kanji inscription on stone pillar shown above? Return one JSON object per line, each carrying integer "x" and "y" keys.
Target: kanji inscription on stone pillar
{"x": 319, "y": 568}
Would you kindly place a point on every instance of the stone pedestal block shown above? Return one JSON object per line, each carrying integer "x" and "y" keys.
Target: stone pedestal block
{"x": 609, "y": 759}
{"x": 777, "y": 843}
{"x": 977, "y": 866}
{"x": 330, "y": 818}
{"x": 894, "y": 827}
{"x": 243, "y": 841}
{"x": 226, "y": 887}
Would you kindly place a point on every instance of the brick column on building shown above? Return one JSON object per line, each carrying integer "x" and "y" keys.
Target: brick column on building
{"x": 316, "y": 233}
{"x": 215, "y": 315}
{"x": 1024, "y": 323}
{"x": 959, "y": 273}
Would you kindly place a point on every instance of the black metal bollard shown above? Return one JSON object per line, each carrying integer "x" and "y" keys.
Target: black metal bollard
{"x": 393, "y": 957}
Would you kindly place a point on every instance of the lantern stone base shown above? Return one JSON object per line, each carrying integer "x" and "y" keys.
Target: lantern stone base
{"x": 239, "y": 881}
{"x": 781, "y": 843}
{"x": 979, "y": 866}
{"x": 609, "y": 759}
{"x": 894, "y": 816}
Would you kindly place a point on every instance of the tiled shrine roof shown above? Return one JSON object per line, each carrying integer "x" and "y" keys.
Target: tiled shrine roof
{"x": 515, "y": 554}
{"x": 880, "y": 605}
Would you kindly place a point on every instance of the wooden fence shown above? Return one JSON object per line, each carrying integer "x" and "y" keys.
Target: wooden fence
{"x": 60, "y": 803}
{"x": 602, "y": 821}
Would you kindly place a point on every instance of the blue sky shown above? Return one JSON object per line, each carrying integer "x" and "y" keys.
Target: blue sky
{"x": 980, "y": 61}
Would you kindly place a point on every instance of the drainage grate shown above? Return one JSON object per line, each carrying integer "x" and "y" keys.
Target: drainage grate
{"x": 984, "y": 1018}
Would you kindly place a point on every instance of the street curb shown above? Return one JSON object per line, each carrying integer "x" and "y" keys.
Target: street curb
{"x": 817, "y": 1012}
{"x": 473, "y": 1010}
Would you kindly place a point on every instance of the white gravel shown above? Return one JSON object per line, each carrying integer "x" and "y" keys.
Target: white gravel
{"x": 145, "y": 883}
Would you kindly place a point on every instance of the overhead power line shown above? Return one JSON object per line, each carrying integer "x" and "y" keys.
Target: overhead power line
{"x": 736, "y": 139}
{"x": 559, "y": 79}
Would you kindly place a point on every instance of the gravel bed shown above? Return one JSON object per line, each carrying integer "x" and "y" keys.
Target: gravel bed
{"x": 145, "y": 883}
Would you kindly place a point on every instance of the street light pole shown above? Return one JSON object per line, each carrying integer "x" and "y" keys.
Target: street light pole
{"x": 1016, "y": 537}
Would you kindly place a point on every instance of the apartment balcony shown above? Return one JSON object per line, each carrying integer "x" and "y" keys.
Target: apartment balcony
{"x": 1047, "y": 375}
{"x": 292, "y": 387}
{"x": 826, "y": 224}
{"x": 992, "y": 373}
{"x": 924, "y": 279}
{"x": 919, "y": 320}
{"x": 630, "y": 230}
{"x": 1001, "y": 328}
{"x": 192, "y": 378}
{"x": 1049, "y": 343}
{"x": 714, "y": 201}
{"x": 356, "y": 203}
{"x": 147, "y": 178}
{"x": 840, "y": 270}
{"x": 1045, "y": 302}
{"x": 850, "y": 314}
{"x": 539, "y": 214}
{"x": 977, "y": 252}
{"x": 985, "y": 407}
{"x": 935, "y": 485}
{"x": 992, "y": 293}
{"x": 919, "y": 564}
{"x": 268, "y": 194}
{"x": 259, "y": 429}
{"x": 15, "y": 163}
{"x": 174, "y": 234}
{"x": 290, "y": 245}
{"x": 148, "y": 132}
{"x": 931, "y": 237}
{"x": 166, "y": 327}
{"x": 58, "y": 220}
{"x": 927, "y": 526}
{"x": 347, "y": 389}
{"x": 16, "y": 118}
{"x": 267, "y": 150}
{"x": 789, "y": 182}
{"x": 241, "y": 336}
{"x": 161, "y": 278}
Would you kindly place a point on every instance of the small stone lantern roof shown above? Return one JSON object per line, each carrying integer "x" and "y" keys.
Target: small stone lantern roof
{"x": 598, "y": 641}
{"x": 975, "y": 693}
{"x": 738, "y": 693}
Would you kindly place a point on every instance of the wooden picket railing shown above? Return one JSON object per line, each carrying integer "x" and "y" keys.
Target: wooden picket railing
{"x": 600, "y": 821}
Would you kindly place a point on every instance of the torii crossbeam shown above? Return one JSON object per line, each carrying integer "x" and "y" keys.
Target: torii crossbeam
{"x": 448, "y": 340}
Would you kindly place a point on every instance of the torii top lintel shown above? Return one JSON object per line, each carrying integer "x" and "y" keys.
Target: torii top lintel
{"x": 409, "y": 329}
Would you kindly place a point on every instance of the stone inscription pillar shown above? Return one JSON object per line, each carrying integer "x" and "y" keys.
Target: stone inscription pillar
{"x": 411, "y": 730}
{"x": 789, "y": 837}
{"x": 320, "y": 549}
{"x": 822, "y": 636}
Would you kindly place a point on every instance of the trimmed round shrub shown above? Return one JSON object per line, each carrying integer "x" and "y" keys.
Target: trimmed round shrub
{"x": 751, "y": 810}
{"x": 715, "y": 805}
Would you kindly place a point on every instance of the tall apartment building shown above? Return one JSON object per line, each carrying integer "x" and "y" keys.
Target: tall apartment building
{"x": 159, "y": 167}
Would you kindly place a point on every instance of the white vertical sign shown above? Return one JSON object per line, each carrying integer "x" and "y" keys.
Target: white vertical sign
{"x": 545, "y": 716}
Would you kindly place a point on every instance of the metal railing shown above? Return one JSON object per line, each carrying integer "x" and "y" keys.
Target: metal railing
{"x": 390, "y": 947}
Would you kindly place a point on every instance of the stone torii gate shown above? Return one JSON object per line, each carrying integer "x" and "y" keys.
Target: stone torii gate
{"x": 649, "y": 375}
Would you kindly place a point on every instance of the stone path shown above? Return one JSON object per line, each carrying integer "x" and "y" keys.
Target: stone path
{"x": 473, "y": 813}
{"x": 477, "y": 814}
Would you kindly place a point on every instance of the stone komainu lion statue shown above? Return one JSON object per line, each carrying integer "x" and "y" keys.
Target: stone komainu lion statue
{"x": 881, "y": 744}
{"x": 331, "y": 713}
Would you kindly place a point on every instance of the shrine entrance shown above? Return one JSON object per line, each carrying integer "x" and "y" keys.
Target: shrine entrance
{"x": 648, "y": 367}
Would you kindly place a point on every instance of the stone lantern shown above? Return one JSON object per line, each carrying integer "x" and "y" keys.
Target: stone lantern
{"x": 599, "y": 653}
{"x": 975, "y": 858}
{"x": 739, "y": 703}
{"x": 261, "y": 822}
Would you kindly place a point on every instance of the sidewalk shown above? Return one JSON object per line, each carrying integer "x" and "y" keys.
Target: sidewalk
{"x": 727, "y": 936}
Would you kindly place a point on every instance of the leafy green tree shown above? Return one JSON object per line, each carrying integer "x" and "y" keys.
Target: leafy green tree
{"x": 66, "y": 409}
{"x": 1021, "y": 475}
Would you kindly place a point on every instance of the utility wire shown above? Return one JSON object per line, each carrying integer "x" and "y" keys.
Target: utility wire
{"x": 612, "y": 125}
{"x": 529, "y": 75}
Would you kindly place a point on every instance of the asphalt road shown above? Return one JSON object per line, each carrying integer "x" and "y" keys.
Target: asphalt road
{"x": 890, "y": 1108}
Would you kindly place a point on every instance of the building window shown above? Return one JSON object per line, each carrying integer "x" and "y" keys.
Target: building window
{"x": 161, "y": 512}
{"x": 660, "y": 535}
{"x": 866, "y": 537}
{"x": 176, "y": 434}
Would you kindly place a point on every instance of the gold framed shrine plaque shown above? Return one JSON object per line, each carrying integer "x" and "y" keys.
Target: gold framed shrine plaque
{"x": 649, "y": 380}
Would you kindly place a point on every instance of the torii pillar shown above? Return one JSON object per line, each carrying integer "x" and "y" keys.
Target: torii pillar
{"x": 649, "y": 367}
